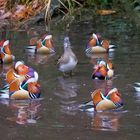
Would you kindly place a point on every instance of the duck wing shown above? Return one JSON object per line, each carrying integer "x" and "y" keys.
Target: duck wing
{"x": 63, "y": 59}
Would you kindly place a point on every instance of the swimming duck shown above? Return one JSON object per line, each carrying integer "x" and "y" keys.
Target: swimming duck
{"x": 103, "y": 70}
{"x": 96, "y": 46}
{"x": 43, "y": 46}
{"x": 68, "y": 60}
{"x": 22, "y": 83}
{"x": 102, "y": 102}
{"x": 5, "y": 53}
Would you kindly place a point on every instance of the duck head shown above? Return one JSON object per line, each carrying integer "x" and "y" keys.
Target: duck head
{"x": 100, "y": 70}
{"x": 94, "y": 41}
{"x": 111, "y": 101}
{"x": 21, "y": 68}
{"x": 6, "y": 47}
{"x": 47, "y": 41}
{"x": 66, "y": 43}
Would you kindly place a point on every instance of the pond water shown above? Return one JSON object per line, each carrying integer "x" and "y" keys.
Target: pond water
{"x": 56, "y": 116}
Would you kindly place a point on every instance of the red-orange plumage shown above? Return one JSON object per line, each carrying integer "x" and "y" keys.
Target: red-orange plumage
{"x": 103, "y": 70}
{"x": 33, "y": 41}
{"x": 33, "y": 87}
{"x": 110, "y": 64}
{"x": 39, "y": 44}
{"x": 96, "y": 96}
{"x": 14, "y": 85}
{"x": 48, "y": 43}
{"x": 105, "y": 44}
{"x": 9, "y": 76}
{"x": 115, "y": 97}
{"x": 92, "y": 42}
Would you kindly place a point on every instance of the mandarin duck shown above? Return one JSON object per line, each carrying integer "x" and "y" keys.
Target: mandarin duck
{"x": 22, "y": 83}
{"x": 103, "y": 70}
{"x": 101, "y": 102}
{"x": 41, "y": 46}
{"x": 5, "y": 53}
{"x": 94, "y": 45}
{"x": 68, "y": 60}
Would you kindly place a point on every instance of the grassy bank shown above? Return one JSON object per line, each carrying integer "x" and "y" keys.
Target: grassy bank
{"x": 23, "y": 10}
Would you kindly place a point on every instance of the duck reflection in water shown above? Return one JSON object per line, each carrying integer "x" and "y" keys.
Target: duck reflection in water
{"x": 95, "y": 57}
{"x": 105, "y": 86}
{"x": 26, "y": 111}
{"x": 4, "y": 69}
{"x": 67, "y": 92}
{"x": 39, "y": 59}
{"x": 106, "y": 121}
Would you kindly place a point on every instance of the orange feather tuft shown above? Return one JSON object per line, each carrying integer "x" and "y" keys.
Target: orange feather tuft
{"x": 33, "y": 41}
{"x": 92, "y": 42}
{"x": 48, "y": 43}
{"x": 33, "y": 87}
{"x": 105, "y": 44}
{"x": 9, "y": 76}
{"x": 14, "y": 86}
{"x": 96, "y": 96}
{"x": 110, "y": 64}
{"x": 39, "y": 44}
{"x": 103, "y": 70}
{"x": 115, "y": 97}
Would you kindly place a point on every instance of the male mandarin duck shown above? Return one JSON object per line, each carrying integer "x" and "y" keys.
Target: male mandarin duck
{"x": 102, "y": 102}
{"x": 5, "y": 53}
{"x": 22, "y": 83}
{"x": 94, "y": 45}
{"x": 68, "y": 60}
{"x": 103, "y": 70}
{"x": 42, "y": 46}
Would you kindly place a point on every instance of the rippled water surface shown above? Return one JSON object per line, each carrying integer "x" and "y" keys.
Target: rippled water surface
{"x": 56, "y": 116}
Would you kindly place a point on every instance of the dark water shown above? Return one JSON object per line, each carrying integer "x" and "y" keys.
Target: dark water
{"x": 55, "y": 116}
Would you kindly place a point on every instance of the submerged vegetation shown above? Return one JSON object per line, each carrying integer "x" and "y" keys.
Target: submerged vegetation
{"x": 24, "y": 10}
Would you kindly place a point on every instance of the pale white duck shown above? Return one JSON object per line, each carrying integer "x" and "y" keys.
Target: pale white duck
{"x": 68, "y": 60}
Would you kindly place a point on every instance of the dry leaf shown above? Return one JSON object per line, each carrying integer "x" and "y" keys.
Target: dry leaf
{"x": 105, "y": 12}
